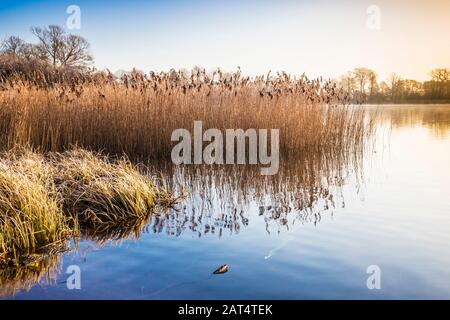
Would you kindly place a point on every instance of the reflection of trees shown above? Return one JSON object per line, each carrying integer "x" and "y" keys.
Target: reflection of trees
{"x": 435, "y": 118}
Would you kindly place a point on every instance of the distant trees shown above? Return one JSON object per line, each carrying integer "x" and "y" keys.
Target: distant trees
{"x": 440, "y": 74}
{"x": 363, "y": 77}
{"x": 63, "y": 49}
{"x": 412, "y": 89}
{"x": 373, "y": 85}
{"x": 347, "y": 82}
{"x": 395, "y": 85}
{"x": 13, "y": 46}
{"x": 54, "y": 46}
{"x": 361, "y": 84}
{"x": 56, "y": 55}
{"x": 439, "y": 86}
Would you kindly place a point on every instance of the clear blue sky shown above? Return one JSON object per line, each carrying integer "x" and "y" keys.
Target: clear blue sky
{"x": 317, "y": 37}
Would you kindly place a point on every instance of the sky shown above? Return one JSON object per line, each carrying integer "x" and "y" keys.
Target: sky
{"x": 320, "y": 38}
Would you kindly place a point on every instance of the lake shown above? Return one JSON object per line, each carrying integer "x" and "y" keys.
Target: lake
{"x": 311, "y": 232}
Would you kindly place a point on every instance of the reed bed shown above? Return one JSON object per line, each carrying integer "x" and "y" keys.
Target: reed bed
{"x": 136, "y": 114}
{"x": 46, "y": 200}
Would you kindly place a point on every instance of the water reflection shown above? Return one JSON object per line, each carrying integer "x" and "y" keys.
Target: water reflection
{"x": 43, "y": 271}
{"x": 436, "y": 118}
{"x": 219, "y": 198}
{"x": 217, "y": 202}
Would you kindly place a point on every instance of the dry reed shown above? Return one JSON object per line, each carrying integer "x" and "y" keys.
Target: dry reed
{"x": 137, "y": 114}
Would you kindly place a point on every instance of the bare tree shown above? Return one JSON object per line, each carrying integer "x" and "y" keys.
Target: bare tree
{"x": 34, "y": 51}
{"x": 440, "y": 74}
{"x": 362, "y": 76}
{"x": 412, "y": 88}
{"x": 51, "y": 40}
{"x": 372, "y": 78}
{"x": 13, "y": 46}
{"x": 394, "y": 85}
{"x": 75, "y": 51}
{"x": 347, "y": 82}
{"x": 439, "y": 86}
{"x": 384, "y": 89}
{"x": 62, "y": 49}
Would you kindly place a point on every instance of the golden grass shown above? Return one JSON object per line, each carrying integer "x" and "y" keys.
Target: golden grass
{"x": 30, "y": 215}
{"x": 101, "y": 193}
{"x": 137, "y": 115}
{"x": 45, "y": 200}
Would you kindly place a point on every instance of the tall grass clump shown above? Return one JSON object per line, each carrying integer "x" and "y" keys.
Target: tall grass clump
{"x": 30, "y": 216}
{"x": 47, "y": 199}
{"x": 102, "y": 194}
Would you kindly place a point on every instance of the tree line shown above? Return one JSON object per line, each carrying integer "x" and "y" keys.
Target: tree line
{"x": 57, "y": 55}
{"x": 54, "y": 46}
{"x": 362, "y": 84}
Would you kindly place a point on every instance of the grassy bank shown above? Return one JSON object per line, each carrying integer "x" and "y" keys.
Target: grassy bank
{"x": 46, "y": 200}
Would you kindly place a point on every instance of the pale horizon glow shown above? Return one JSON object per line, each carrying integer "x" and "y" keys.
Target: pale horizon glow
{"x": 320, "y": 38}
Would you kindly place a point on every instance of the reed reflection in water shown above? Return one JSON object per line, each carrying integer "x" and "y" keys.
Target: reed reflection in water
{"x": 218, "y": 197}
{"x": 216, "y": 201}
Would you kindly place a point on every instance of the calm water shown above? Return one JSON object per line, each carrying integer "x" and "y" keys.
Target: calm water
{"x": 310, "y": 232}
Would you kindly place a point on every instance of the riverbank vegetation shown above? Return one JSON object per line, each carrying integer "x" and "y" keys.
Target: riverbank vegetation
{"x": 46, "y": 200}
